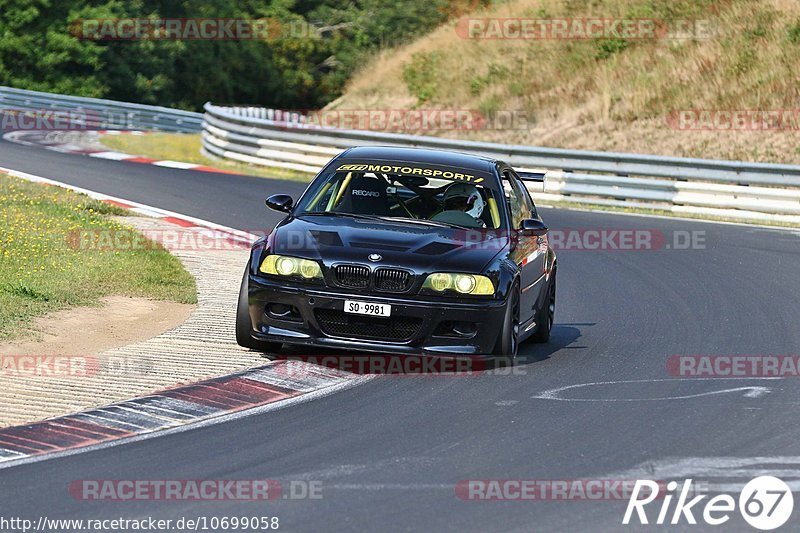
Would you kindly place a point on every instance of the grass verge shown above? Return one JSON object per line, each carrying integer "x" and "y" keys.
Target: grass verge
{"x": 41, "y": 272}
{"x": 186, "y": 148}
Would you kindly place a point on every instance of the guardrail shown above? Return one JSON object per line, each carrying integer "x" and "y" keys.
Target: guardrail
{"x": 705, "y": 187}
{"x": 96, "y": 113}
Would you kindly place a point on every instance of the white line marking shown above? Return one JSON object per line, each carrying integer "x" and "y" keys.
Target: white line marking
{"x": 715, "y": 474}
{"x": 717, "y": 467}
{"x": 392, "y": 486}
{"x": 114, "y": 156}
{"x": 554, "y": 394}
{"x": 176, "y": 164}
{"x": 7, "y": 455}
{"x": 146, "y": 211}
{"x": 182, "y": 407}
{"x": 733, "y": 488}
{"x": 154, "y": 410}
{"x": 141, "y": 410}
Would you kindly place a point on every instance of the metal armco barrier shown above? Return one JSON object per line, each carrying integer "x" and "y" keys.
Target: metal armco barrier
{"x": 705, "y": 187}
{"x": 96, "y": 113}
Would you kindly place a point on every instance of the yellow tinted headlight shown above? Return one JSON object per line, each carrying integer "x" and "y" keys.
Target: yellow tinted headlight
{"x": 281, "y": 265}
{"x": 462, "y": 283}
{"x": 310, "y": 269}
{"x": 286, "y": 266}
{"x": 440, "y": 282}
{"x": 465, "y": 284}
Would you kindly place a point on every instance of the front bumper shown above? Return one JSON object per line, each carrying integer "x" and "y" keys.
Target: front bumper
{"x": 418, "y": 325}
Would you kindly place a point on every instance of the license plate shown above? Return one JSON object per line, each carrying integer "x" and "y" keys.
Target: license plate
{"x": 366, "y": 308}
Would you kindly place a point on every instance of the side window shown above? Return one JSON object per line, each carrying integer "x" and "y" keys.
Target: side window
{"x": 526, "y": 196}
{"x": 518, "y": 200}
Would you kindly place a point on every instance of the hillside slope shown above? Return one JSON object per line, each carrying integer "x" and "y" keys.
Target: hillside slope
{"x": 670, "y": 94}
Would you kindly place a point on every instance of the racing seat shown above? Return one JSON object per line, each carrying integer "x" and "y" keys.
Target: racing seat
{"x": 366, "y": 196}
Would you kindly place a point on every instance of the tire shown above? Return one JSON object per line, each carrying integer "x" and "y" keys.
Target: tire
{"x": 244, "y": 327}
{"x": 546, "y": 315}
{"x": 507, "y": 346}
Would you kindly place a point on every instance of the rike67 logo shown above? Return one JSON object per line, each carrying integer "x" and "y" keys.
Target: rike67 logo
{"x": 765, "y": 503}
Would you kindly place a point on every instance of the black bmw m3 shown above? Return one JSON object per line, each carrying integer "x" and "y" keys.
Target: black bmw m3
{"x": 403, "y": 251}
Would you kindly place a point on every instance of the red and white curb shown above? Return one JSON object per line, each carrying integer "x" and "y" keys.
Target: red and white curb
{"x": 86, "y": 143}
{"x": 181, "y": 408}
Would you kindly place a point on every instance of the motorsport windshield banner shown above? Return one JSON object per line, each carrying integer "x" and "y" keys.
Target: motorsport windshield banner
{"x": 403, "y": 168}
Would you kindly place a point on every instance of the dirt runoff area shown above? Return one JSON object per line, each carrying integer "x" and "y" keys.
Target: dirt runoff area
{"x": 118, "y": 321}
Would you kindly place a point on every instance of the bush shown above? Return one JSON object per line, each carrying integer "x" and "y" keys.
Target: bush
{"x": 608, "y": 47}
{"x": 794, "y": 33}
{"x": 420, "y": 75}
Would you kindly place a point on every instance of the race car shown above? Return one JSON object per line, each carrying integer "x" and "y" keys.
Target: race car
{"x": 403, "y": 251}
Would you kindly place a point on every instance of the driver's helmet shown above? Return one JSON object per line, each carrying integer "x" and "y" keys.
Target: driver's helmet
{"x": 464, "y": 197}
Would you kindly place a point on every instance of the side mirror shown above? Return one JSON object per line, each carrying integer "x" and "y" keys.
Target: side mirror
{"x": 280, "y": 202}
{"x": 533, "y": 227}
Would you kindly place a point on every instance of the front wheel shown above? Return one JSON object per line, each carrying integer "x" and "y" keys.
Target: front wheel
{"x": 507, "y": 347}
{"x": 244, "y": 327}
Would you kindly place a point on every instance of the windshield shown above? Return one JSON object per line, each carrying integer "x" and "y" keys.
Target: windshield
{"x": 373, "y": 193}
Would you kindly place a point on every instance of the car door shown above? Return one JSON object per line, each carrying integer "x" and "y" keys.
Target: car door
{"x": 529, "y": 251}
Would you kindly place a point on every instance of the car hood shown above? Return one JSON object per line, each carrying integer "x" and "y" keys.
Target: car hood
{"x": 419, "y": 247}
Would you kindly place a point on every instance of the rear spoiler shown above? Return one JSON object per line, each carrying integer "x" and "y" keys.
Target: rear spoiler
{"x": 534, "y": 177}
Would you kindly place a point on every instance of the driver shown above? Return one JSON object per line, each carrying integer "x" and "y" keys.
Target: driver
{"x": 466, "y": 198}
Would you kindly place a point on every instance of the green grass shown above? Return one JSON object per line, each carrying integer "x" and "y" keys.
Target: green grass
{"x": 42, "y": 271}
{"x": 186, "y": 148}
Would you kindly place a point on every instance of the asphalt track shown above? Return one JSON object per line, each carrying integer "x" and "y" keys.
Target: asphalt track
{"x": 389, "y": 452}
